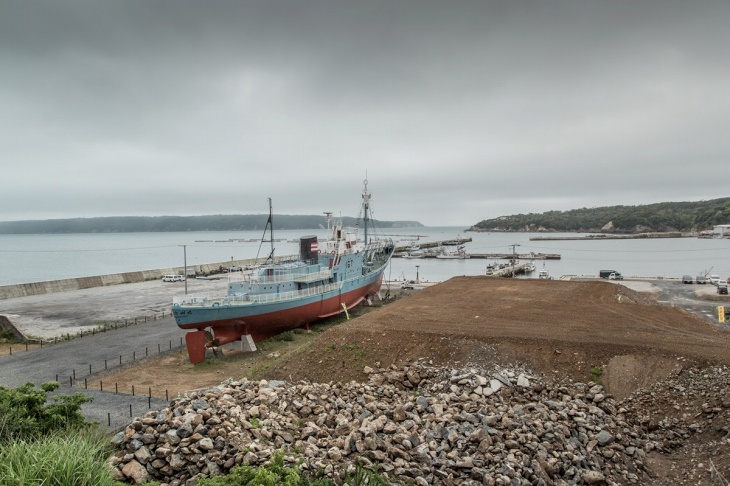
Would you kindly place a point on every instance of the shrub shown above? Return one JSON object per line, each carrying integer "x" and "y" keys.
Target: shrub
{"x": 26, "y": 413}
{"x": 285, "y": 336}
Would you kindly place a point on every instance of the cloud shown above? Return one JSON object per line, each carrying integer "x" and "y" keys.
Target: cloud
{"x": 456, "y": 113}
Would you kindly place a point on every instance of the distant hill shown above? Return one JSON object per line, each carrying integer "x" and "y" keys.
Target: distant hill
{"x": 659, "y": 217}
{"x": 141, "y": 224}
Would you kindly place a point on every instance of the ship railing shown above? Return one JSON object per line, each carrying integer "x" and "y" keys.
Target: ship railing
{"x": 195, "y": 299}
{"x": 290, "y": 276}
{"x": 323, "y": 274}
{"x": 378, "y": 244}
{"x": 205, "y": 300}
{"x": 296, "y": 294}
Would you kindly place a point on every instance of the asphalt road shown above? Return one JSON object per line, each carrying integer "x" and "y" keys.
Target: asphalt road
{"x": 690, "y": 297}
{"x": 93, "y": 353}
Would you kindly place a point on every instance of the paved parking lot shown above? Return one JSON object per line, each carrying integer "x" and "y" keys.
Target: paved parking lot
{"x": 54, "y": 315}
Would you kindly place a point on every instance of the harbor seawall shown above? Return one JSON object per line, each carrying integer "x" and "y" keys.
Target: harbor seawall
{"x": 70, "y": 284}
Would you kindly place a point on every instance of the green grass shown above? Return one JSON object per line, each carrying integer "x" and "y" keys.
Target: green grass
{"x": 596, "y": 373}
{"x": 285, "y": 336}
{"x": 276, "y": 473}
{"x": 74, "y": 457}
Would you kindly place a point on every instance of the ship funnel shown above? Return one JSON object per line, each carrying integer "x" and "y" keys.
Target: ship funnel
{"x": 308, "y": 249}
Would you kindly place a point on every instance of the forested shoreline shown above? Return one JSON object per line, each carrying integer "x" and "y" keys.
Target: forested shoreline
{"x": 660, "y": 217}
{"x": 143, "y": 224}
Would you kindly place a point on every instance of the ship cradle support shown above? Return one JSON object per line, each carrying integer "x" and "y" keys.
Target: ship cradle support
{"x": 197, "y": 345}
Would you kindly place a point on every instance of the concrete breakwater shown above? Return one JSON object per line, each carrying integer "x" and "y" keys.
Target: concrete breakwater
{"x": 80, "y": 283}
{"x": 603, "y": 236}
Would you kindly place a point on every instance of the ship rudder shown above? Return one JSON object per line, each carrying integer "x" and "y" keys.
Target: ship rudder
{"x": 195, "y": 342}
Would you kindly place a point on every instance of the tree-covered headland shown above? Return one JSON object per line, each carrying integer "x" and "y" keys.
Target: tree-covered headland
{"x": 686, "y": 217}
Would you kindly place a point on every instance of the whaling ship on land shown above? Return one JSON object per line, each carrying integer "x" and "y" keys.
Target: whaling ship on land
{"x": 328, "y": 278}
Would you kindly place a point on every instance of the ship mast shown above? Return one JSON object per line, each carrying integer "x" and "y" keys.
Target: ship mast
{"x": 366, "y": 208}
{"x": 270, "y": 227}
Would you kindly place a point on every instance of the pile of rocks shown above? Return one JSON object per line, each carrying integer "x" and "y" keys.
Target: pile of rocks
{"x": 418, "y": 424}
{"x": 689, "y": 411}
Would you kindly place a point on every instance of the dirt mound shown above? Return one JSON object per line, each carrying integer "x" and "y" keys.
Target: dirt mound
{"x": 568, "y": 329}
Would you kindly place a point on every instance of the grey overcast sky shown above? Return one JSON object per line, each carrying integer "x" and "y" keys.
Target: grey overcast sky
{"x": 457, "y": 111}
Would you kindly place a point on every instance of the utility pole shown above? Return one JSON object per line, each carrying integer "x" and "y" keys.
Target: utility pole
{"x": 514, "y": 258}
{"x": 185, "y": 266}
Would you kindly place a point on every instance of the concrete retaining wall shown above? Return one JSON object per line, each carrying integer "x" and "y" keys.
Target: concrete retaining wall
{"x": 51, "y": 286}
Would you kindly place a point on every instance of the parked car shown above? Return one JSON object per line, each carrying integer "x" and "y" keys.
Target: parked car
{"x": 700, "y": 279}
{"x": 615, "y": 276}
{"x": 722, "y": 288}
{"x": 173, "y": 278}
{"x": 687, "y": 279}
{"x": 714, "y": 279}
{"x": 608, "y": 273}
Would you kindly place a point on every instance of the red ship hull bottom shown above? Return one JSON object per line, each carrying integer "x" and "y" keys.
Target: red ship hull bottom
{"x": 264, "y": 326}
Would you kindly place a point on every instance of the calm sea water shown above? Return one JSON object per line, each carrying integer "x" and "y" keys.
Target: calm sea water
{"x": 36, "y": 258}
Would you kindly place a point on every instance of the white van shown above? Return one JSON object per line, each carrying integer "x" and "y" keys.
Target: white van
{"x": 714, "y": 279}
{"x": 173, "y": 278}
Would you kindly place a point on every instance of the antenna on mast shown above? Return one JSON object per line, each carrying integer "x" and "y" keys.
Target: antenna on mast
{"x": 328, "y": 215}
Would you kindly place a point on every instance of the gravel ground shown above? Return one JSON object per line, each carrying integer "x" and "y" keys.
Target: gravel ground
{"x": 53, "y": 315}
